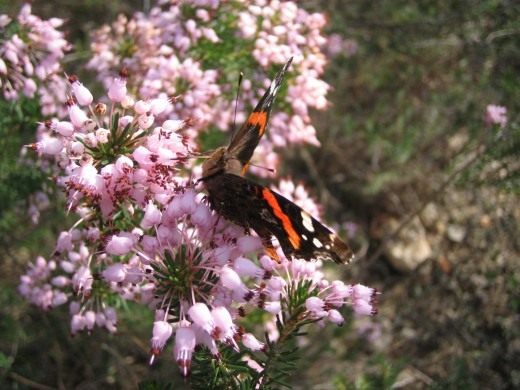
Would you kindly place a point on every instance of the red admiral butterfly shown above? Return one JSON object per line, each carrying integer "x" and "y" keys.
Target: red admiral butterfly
{"x": 256, "y": 207}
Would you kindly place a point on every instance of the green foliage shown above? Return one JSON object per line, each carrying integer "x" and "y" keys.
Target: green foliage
{"x": 460, "y": 378}
{"x": 424, "y": 73}
{"x": 383, "y": 376}
{"x": 18, "y": 177}
{"x": 227, "y": 372}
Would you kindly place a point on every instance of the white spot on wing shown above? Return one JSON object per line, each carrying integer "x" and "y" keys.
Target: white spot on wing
{"x": 317, "y": 243}
{"x": 307, "y": 222}
{"x": 273, "y": 88}
{"x": 304, "y": 237}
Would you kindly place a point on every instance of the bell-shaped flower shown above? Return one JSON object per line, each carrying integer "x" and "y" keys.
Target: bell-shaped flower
{"x": 200, "y": 315}
{"x": 185, "y": 342}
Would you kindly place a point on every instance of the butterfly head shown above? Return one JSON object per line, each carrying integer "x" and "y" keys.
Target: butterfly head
{"x": 221, "y": 161}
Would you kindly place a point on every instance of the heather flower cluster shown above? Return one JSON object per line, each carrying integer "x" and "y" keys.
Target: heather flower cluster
{"x": 170, "y": 51}
{"x": 145, "y": 233}
{"x": 30, "y": 53}
{"x": 496, "y": 115}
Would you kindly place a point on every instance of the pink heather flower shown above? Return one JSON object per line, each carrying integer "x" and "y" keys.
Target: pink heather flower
{"x": 115, "y": 273}
{"x": 200, "y": 315}
{"x": 59, "y": 298}
{"x": 231, "y": 280}
{"x": 82, "y": 280}
{"x": 363, "y": 299}
{"x": 50, "y": 146}
{"x": 152, "y": 216}
{"x": 60, "y": 281}
{"x": 142, "y": 222}
{"x": 77, "y": 115}
{"x": 119, "y": 245}
{"x": 184, "y": 346}
{"x": 117, "y": 91}
{"x": 248, "y": 244}
{"x": 183, "y": 350}
{"x": 78, "y": 323}
{"x": 34, "y": 60}
{"x": 315, "y": 305}
{"x": 162, "y": 331}
{"x": 90, "y": 319}
{"x": 63, "y": 128}
{"x": 274, "y": 307}
{"x": 81, "y": 93}
{"x": 335, "y": 317}
{"x": 251, "y": 342}
{"x": 224, "y": 327}
{"x": 245, "y": 267}
{"x": 496, "y": 115}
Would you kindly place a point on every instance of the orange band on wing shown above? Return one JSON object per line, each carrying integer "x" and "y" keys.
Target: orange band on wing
{"x": 294, "y": 238}
{"x": 258, "y": 118}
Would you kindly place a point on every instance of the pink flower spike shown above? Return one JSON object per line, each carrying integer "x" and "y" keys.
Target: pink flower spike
{"x": 161, "y": 332}
{"x": 251, "y": 342}
{"x": 184, "y": 346}
{"x": 200, "y": 315}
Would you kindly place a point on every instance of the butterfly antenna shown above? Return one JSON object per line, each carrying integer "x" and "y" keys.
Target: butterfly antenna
{"x": 271, "y": 170}
{"x": 240, "y": 77}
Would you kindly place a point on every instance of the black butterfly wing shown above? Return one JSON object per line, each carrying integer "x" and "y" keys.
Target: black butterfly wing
{"x": 269, "y": 214}
{"x": 245, "y": 140}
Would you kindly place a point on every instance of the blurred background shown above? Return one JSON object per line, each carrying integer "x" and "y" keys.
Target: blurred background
{"x": 429, "y": 190}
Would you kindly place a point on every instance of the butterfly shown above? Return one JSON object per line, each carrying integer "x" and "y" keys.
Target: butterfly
{"x": 256, "y": 207}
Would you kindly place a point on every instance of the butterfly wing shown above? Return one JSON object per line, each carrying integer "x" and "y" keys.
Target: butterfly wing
{"x": 269, "y": 214}
{"x": 245, "y": 140}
